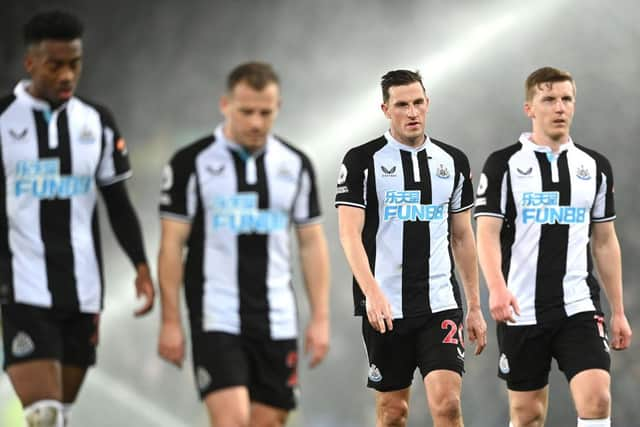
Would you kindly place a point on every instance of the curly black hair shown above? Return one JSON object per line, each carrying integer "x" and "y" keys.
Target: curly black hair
{"x": 52, "y": 25}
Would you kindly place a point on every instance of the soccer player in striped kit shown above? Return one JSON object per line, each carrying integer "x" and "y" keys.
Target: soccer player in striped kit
{"x": 57, "y": 152}
{"x": 404, "y": 207}
{"x": 544, "y": 205}
{"x": 232, "y": 198}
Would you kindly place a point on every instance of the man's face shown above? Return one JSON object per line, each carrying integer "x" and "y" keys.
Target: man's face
{"x": 54, "y": 67}
{"x": 551, "y": 109}
{"x": 249, "y": 114}
{"x": 407, "y": 110}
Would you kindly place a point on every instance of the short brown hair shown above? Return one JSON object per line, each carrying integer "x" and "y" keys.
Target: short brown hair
{"x": 398, "y": 78}
{"x": 256, "y": 74}
{"x": 546, "y": 75}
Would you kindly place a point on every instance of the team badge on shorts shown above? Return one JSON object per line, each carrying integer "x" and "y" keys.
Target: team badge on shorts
{"x": 22, "y": 345}
{"x": 374, "y": 374}
{"x": 504, "y": 364}
{"x": 203, "y": 378}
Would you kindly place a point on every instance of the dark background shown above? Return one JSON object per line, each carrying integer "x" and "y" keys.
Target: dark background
{"x": 161, "y": 67}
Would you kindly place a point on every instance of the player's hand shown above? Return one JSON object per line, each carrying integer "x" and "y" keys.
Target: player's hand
{"x": 171, "y": 343}
{"x": 503, "y": 304}
{"x": 316, "y": 340}
{"x": 620, "y": 332}
{"x": 144, "y": 288}
{"x": 477, "y": 329}
{"x": 379, "y": 311}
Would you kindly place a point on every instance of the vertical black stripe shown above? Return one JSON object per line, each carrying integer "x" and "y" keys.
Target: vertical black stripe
{"x": 554, "y": 242}
{"x": 55, "y": 219}
{"x": 6, "y": 267}
{"x": 97, "y": 249}
{"x": 369, "y": 233}
{"x": 194, "y": 265}
{"x": 592, "y": 282}
{"x": 508, "y": 231}
{"x": 253, "y": 257}
{"x": 416, "y": 241}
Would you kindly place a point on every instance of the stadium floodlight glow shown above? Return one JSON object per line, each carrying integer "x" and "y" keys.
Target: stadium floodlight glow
{"x": 437, "y": 68}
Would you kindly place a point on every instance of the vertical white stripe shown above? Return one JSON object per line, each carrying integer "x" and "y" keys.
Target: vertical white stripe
{"x": 23, "y": 212}
{"x": 106, "y": 168}
{"x": 251, "y": 173}
{"x": 85, "y": 156}
{"x": 415, "y": 166}
{"x": 577, "y": 296}
{"x": 301, "y": 205}
{"x": 364, "y": 186}
{"x": 281, "y": 165}
{"x": 441, "y": 296}
{"x": 503, "y": 194}
{"x": 525, "y": 249}
{"x": 554, "y": 169}
{"x": 600, "y": 203}
{"x": 192, "y": 197}
{"x": 389, "y": 236}
{"x": 52, "y": 127}
{"x": 221, "y": 300}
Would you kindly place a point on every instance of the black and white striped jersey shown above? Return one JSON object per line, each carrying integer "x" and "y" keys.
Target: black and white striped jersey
{"x": 407, "y": 194}
{"x": 548, "y": 202}
{"x": 51, "y": 162}
{"x": 237, "y": 273}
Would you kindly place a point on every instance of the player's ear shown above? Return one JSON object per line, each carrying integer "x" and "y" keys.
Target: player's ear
{"x": 223, "y": 104}
{"x": 528, "y": 110}
{"x": 385, "y": 109}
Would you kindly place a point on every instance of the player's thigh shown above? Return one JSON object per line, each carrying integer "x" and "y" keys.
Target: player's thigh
{"x": 391, "y": 356}
{"x": 581, "y": 344}
{"x": 525, "y": 356}
{"x": 443, "y": 389}
{"x": 219, "y": 362}
{"x": 274, "y": 373}
{"x": 228, "y": 407}
{"x": 267, "y": 416}
{"x": 440, "y": 343}
{"x": 80, "y": 339}
{"x": 33, "y": 349}
{"x": 591, "y": 394}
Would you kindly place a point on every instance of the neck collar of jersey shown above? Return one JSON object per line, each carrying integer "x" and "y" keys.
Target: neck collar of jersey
{"x": 21, "y": 92}
{"x": 391, "y": 140}
{"x": 525, "y": 139}
{"x": 243, "y": 152}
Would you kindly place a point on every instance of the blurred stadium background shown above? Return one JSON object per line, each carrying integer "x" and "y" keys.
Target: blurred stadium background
{"x": 161, "y": 66}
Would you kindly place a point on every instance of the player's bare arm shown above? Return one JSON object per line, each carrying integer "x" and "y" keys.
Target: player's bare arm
{"x": 502, "y": 303}
{"x": 606, "y": 252}
{"x": 351, "y": 222}
{"x": 314, "y": 257}
{"x": 463, "y": 246}
{"x": 173, "y": 239}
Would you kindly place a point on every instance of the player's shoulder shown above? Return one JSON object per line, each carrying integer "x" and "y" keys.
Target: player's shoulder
{"x": 451, "y": 150}
{"x": 102, "y": 109}
{"x": 503, "y": 155}
{"x": 189, "y": 152}
{"x": 6, "y": 101}
{"x": 368, "y": 149}
{"x": 596, "y": 155}
{"x": 292, "y": 149}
